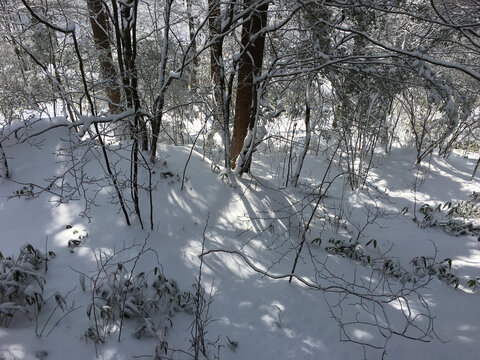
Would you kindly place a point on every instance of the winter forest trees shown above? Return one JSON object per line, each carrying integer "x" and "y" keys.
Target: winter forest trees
{"x": 253, "y": 130}
{"x": 365, "y": 74}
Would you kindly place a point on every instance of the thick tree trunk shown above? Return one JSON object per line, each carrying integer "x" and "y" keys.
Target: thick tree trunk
{"x": 250, "y": 64}
{"x": 100, "y": 25}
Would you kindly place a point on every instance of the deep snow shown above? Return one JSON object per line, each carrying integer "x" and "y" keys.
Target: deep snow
{"x": 269, "y": 319}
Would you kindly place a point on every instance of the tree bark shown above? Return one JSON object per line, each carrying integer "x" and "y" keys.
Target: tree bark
{"x": 250, "y": 64}
{"x": 100, "y": 25}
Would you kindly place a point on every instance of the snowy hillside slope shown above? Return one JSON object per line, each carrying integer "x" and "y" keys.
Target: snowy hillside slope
{"x": 252, "y": 315}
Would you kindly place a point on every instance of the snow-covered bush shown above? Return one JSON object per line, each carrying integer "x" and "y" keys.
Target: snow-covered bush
{"x": 466, "y": 209}
{"x": 119, "y": 293}
{"x": 421, "y": 265}
{"x": 456, "y": 219}
{"x": 473, "y": 283}
{"x": 21, "y": 283}
{"x": 351, "y": 250}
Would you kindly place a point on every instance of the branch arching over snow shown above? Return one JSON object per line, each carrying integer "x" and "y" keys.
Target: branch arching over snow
{"x": 362, "y": 294}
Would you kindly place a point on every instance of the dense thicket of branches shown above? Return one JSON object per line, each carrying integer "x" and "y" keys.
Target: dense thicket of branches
{"x": 357, "y": 77}
{"x": 367, "y": 73}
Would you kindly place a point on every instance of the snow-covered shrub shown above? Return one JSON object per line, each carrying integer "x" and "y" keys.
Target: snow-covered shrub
{"x": 473, "y": 283}
{"x": 120, "y": 294}
{"x": 351, "y": 250}
{"x": 468, "y": 209}
{"x": 455, "y": 219}
{"x": 21, "y": 283}
{"x": 421, "y": 265}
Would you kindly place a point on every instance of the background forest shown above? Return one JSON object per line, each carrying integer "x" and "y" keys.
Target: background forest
{"x": 309, "y": 166}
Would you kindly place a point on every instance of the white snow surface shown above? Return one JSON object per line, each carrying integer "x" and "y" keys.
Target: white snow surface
{"x": 269, "y": 319}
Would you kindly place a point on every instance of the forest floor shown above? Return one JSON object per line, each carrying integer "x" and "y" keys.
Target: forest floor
{"x": 253, "y": 222}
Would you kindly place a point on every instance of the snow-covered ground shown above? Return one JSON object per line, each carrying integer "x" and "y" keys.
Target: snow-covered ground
{"x": 252, "y": 315}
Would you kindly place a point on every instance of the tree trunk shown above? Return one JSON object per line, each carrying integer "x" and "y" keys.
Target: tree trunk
{"x": 163, "y": 83}
{"x": 308, "y": 136}
{"x": 125, "y": 23}
{"x": 250, "y": 64}
{"x": 214, "y": 23}
{"x": 193, "y": 44}
{"x": 100, "y": 25}
{"x": 476, "y": 167}
{"x": 3, "y": 163}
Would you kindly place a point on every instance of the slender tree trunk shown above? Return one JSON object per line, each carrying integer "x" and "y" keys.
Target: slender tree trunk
{"x": 128, "y": 11}
{"x": 3, "y": 163}
{"x": 476, "y": 167}
{"x": 250, "y": 64}
{"x": 214, "y": 23}
{"x": 308, "y": 136}
{"x": 289, "y": 164}
{"x": 54, "y": 45}
{"x": 193, "y": 43}
{"x": 125, "y": 31}
{"x": 163, "y": 82}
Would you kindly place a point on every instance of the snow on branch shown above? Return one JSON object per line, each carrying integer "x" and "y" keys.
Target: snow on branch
{"x": 82, "y": 125}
